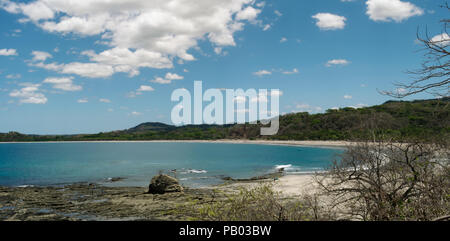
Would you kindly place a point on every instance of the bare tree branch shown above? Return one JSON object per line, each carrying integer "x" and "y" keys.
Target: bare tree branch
{"x": 434, "y": 76}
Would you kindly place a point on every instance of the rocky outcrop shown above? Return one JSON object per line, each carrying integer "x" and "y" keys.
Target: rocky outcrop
{"x": 161, "y": 184}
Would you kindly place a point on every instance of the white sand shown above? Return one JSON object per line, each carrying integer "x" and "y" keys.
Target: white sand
{"x": 289, "y": 185}
{"x": 338, "y": 144}
{"x": 294, "y": 185}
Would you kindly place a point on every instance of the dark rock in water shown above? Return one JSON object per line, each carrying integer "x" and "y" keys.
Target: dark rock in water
{"x": 274, "y": 175}
{"x": 115, "y": 179}
{"x": 161, "y": 184}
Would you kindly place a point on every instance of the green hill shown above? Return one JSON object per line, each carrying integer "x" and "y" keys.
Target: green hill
{"x": 422, "y": 119}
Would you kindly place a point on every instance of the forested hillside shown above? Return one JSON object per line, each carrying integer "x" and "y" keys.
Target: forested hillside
{"x": 422, "y": 119}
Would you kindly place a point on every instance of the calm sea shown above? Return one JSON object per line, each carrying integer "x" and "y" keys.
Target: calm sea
{"x": 197, "y": 164}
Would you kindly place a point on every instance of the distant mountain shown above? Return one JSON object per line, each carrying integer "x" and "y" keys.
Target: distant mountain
{"x": 151, "y": 126}
{"x": 419, "y": 119}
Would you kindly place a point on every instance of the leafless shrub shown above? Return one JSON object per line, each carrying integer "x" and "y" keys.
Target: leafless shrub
{"x": 384, "y": 180}
{"x": 262, "y": 203}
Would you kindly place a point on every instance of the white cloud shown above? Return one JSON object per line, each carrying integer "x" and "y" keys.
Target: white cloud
{"x": 266, "y": 27}
{"x": 348, "y": 97}
{"x": 160, "y": 80}
{"x": 391, "y": 10}
{"x": 167, "y": 79}
{"x": 275, "y": 93}
{"x": 104, "y": 100}
{"x": 262, "y": 73}
{"x": 217, "y": 50}
{"x": 278, "y": 13}
{"x": 36, "y": 10}
{"x": 84, "y": 100}
{"x": 334, "y": 62}
{"x": 303, "y": 107}
{"x": 40, "y": 55}
{"x": 240, "y": 99}
{"x": 260, "y": 99}
{"x": 401, "y": 91}
{"x": 283, "y": 39}
{"x": 29, "y": 94}
{"x": 144, "y": 88}
{"x": 172, "y": 76}
{"x": 294, "y": 71}
{"x": 328, "y": 21}
{"x": 64, "y": 83}
{"x": 14, "y": 76}
{"x": 125, "y": 60}
{"x": 358, "y": 106}
{"x": 135, "y": 113}
{"x": 442, "y": 40}
{"x": 89, "y": 70}
{"x": 8, "y": 52}
{"x": 249, "y": 13}
{"x": 141, "y": 34}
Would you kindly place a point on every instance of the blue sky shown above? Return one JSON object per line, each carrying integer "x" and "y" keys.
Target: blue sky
{"x": 90, "y": 66}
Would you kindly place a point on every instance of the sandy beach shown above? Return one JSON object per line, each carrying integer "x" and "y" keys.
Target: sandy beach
{"x": 288, "y": 185}
{"x": 311, "y": 143}
{"x": 294, "y": 185}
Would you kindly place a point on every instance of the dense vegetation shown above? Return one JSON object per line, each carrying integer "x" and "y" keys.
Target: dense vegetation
{"x": 421, "y": 119}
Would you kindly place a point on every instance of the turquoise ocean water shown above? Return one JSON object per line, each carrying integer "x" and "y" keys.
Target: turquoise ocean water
{"x": 197, "y": 164}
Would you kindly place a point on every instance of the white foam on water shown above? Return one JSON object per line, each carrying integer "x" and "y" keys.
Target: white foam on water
{"x": 188, "y": 171}
{"x": 288, "y": 166}
{"x": 291, "y": 169}
{"x": 196, "y": 171}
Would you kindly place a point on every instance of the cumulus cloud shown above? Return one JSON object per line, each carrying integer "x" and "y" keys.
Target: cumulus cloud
{"x": 275, "y": 93}
{"x": 90, "y": 70}
{"x": 294, "y": 71}
{"x": 334, "y": 62}
{"x": 249, "y": 13}
{"x": 84, "y": 100}
{"x": 303, "y": 107}
{"x": 167, "y": 79}
{"x": 141, "y": 34}
{"x": 328, "y": 21}
{"x": 358, "y": 106}
{"x": 103, "y": 100}
{"x": 29, "y": 94}
{"x": 144, "y": 88}
{"x": 14, "y": 76}
{"x": 135, "y": 113}
{"x": 262, "y": 72}
{"x": 8, "y": 52}
{"x": 442, "y": 40}
{"x": 63, "y": 83}
{"x": 40, "y": 55}
{"x": 401, "y": 91}
{"x": 348, "y": 97}
{"x": 391, "y": 10}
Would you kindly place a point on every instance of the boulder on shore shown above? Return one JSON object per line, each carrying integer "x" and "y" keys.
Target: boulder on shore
{"x": 161, "y": 184}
